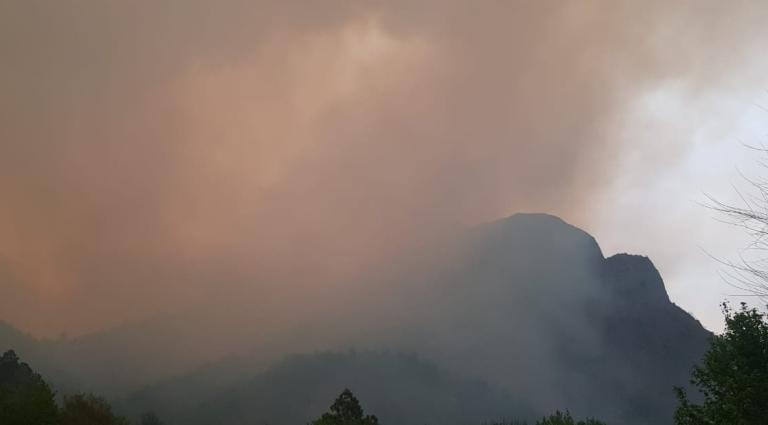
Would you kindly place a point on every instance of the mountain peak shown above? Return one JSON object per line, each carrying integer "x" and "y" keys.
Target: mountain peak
{"x": 528, "y": 218}
{"x": 536, "y": 231}
{"x": 537, "y": 222}
{"x": 635, "y": 278}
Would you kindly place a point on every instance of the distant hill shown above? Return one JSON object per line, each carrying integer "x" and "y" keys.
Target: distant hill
{"x": 115, "y": 361}
{"x": 528, "y": 304}
{"x": 399, "y": 389}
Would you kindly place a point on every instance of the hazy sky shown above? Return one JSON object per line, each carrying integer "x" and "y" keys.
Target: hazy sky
{"x": 154, "y": 153}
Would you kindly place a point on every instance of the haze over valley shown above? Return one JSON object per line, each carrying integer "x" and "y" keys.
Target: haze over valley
{"x": 462, "y": 212}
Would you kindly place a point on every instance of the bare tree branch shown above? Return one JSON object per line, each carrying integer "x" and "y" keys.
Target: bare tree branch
{"x": 748, "y": 274}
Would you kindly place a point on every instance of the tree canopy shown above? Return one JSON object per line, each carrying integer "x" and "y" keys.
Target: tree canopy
{"x": 25, "y": 398}
{"x": 88, "y": 409}
{"x": 346, "y": 410}
{"x": 733, "y": 377}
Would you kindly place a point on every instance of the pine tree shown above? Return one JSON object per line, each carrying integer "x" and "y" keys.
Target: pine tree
{"x": 346, "y": 410}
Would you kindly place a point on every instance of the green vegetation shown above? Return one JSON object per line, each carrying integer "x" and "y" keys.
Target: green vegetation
{"x": 346, "y": 410}
{"x": 25, "y": 399}
{"x": 87, "y": 409}
{"x": 733, "y": 378}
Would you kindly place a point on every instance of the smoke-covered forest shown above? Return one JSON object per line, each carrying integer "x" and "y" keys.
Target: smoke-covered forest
{"x": 401, "y": 212}
{"x": 731, "y": 382}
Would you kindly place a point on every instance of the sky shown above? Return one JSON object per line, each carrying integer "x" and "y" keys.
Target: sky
{"x": 156, "y": 154}
{"x": 668, "y": 217}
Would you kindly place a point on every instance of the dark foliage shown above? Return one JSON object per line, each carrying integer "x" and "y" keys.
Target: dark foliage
{"x": 25, "y": 398}
{"x": 557, "y": 418}
{"x": 560, "y": 418}
{"x": 346, "y": 410}
{"x": 87, "y": 409}
{"x": 733, "y": 378}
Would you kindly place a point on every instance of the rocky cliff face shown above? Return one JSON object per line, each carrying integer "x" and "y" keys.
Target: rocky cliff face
{"x": 650, "y": 343}
{"x": 634, "y": 278}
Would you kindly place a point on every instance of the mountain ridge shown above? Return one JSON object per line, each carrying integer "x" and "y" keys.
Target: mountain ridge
{"x": 529, "y": 304}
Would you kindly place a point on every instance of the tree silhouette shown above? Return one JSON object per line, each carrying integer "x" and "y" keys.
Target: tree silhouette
{"x": 750, "y": 272}
{"x": 82, "y": 409}
{"x": 346, "y": 410}
{"x": 733, "y": 378}
{"x": 25, "y": 398}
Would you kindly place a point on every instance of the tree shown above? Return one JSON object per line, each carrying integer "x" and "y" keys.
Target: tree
{"x": 346, "y": 410}
{"x": 82, "y": 409}
{"x": 25, "y": 398}
{"x": 560, "y": 418}
{"x": 733, "y": 378}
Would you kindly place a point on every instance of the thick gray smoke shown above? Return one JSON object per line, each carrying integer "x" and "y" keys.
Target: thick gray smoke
{"x": 157, "y": 155}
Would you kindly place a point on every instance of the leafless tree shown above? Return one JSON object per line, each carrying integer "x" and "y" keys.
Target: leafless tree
{"x": 750, "y": 272}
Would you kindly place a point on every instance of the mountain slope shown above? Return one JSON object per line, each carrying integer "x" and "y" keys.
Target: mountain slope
{"x": 115, "y": 361}
{"x": 528, "y": 304}
{"x": 532, "y": 305}
{"x": 399, "y": 389}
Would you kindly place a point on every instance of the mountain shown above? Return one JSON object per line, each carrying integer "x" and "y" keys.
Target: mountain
{"x": 115, "y": 361}
{"x": 532, "y": 305}
{"x": 528, "y": 304}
